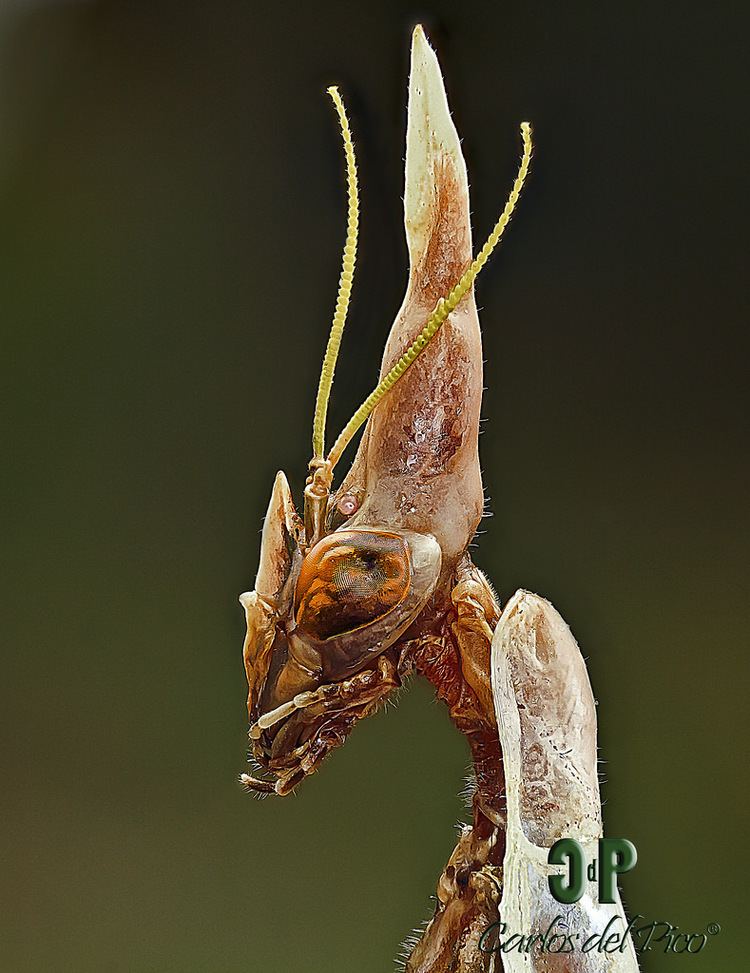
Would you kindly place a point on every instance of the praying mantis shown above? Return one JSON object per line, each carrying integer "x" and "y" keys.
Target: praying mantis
{"x": 374, "y": 581}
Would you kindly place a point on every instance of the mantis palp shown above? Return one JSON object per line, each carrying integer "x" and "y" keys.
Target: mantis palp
{"x": 375, "y": 581}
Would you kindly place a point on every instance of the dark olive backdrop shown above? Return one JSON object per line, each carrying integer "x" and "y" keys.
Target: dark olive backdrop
{"x": 171, "y": 212}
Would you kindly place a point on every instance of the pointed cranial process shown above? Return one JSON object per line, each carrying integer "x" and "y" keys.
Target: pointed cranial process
{"x": 373, "y": 581}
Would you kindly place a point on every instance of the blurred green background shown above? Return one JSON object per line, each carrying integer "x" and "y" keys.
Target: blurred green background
{"x": 172, "y": 208}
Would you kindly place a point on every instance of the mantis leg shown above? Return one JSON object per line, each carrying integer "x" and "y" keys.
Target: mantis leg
{"x": 547, "y": 724}
{"x": 535, "y": 761}
{"x": 469, "y": 888}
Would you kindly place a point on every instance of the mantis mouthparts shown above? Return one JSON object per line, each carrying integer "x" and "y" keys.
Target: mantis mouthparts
{"x": 274, "y": 716}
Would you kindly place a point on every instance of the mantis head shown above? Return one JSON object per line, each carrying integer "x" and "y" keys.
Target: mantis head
{"x": 343, "y": 587}
{"x": 322, "y": 624}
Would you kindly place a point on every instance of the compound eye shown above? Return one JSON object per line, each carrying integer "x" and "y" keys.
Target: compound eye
{"x": 349, "y": 579}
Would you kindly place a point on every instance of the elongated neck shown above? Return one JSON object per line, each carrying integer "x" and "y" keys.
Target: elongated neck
{"x": 470, "y": 706}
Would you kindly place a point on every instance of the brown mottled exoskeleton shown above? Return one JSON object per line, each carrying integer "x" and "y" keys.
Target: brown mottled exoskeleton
{"x": 374, "y": 580}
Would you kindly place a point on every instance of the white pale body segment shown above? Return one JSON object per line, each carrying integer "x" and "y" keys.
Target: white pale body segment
{"x": 546, "y": 719}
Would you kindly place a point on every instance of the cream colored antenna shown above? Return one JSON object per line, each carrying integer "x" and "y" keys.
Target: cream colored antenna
{"x": 345, "y": 284}
{"x": 442, "y": 309}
